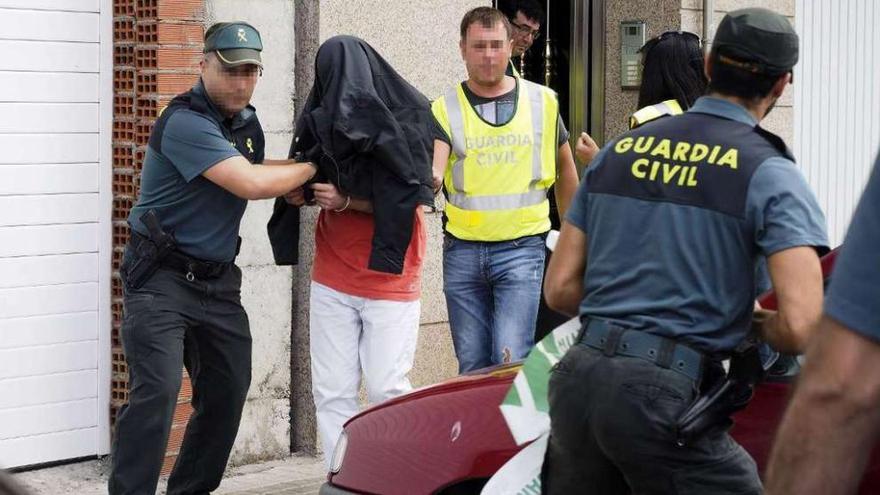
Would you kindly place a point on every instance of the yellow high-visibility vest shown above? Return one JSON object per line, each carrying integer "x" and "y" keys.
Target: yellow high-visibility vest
{"x": 651, "y": 112}
{"x": 498, "y": 176}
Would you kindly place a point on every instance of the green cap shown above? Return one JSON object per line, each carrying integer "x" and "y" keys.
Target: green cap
{"x": 757, "y": 40}
{"x": 236, "y": 43}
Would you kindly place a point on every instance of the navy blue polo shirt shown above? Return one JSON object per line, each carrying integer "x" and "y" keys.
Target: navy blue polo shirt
{"x": 854, "y": 294}
{"x": 205, "y": 217}
{"x": 677, "y": 213}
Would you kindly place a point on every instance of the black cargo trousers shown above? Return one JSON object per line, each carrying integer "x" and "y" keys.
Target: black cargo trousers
{"x": 613, "y": 431}
{"x": 176, "y": 319}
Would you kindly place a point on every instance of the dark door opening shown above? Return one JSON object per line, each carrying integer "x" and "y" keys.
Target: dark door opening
{"x": 568, "y": 58}
{"x": 561, "y": 58}
{"x": 547, "y": 61}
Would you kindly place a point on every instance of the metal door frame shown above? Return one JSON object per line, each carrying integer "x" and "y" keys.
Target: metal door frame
{"x": 587, "y": 69}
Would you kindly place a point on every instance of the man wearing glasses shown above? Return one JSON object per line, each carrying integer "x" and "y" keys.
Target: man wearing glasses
{"x": 525, "y": 18}
{"x": 182, "y": 289}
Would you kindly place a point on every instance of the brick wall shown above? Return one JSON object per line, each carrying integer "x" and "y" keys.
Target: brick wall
{"x": 157, "y": 48}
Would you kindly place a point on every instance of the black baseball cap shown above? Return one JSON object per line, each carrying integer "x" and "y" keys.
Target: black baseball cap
{"x": 236, "y": 43}
{"x": 757, "y": 40}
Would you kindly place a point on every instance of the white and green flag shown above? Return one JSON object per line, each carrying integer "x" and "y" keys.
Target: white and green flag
{"x": 521, "y": 475}
{"x": 526, "y": 411}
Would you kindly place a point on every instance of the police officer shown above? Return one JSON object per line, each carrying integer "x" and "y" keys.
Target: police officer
{"x": 657, "y": 256}
{"x": 182, "y": 288}
{"x": 830, "y": 428}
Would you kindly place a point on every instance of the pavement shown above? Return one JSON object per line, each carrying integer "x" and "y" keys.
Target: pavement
{"x": 295, "y": 475}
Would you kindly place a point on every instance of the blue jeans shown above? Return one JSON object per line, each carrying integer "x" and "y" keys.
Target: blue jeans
{"x": 493, "y": 290}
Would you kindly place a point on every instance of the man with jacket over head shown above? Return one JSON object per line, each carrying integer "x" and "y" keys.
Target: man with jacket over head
{"x": 369, "y": 130}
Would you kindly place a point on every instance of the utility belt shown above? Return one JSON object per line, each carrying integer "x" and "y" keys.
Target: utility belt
{"x": 723, "y": 395}
{"x": 159, "y": 249}
{"x": 664, "y": 352}
{"x": 192, "y": 268}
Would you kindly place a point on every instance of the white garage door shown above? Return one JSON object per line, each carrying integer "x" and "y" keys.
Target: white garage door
{"x": 837, "y": 102}
{"x": 55, "y": 239}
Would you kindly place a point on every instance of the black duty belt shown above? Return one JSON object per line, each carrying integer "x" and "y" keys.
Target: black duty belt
{"x": 192, "y": 268}
{"x": 664, "y": 352}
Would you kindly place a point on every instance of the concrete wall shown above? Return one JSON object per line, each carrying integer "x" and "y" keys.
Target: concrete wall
{"x": 665, "y": 15}
{"x": 781, "y": 119}
{"x": 266, "y": 288}
{"x": 659, "y": 16}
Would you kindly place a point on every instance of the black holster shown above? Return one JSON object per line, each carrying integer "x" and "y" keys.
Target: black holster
{"x": 148, "y": 251}
{"x": 727, "y": 395}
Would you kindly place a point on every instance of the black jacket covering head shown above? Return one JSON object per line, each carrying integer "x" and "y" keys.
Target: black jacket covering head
{"x": 369, "y": 131}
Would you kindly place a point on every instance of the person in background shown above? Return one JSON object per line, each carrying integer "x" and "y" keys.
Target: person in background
{"x": 525, "y": 17}
{"x": 672, "y": 80}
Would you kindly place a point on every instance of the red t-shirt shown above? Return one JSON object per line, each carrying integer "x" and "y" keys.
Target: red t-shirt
{"x": 343, "y": 243}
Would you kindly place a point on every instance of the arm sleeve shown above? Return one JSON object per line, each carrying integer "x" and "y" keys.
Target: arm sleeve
{"x": 260, "y": 146}
{"x": 194, "y": 143}
{"x": 561, "y": 132}
{"x": 437, "y": 132}
{"x": 855, "y": 285}
{"x": 579, "y": 210}
{"x": 783, "y": 209}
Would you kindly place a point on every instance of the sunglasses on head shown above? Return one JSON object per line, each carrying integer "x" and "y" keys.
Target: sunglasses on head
{"x": 651, "y": 43}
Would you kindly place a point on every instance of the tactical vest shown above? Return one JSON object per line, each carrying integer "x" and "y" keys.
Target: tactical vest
{"x": 244, "y": 131}
{"x": 498, "y": 176}
{"x": 653, "y": 112}
{"x": 693, "y": 159}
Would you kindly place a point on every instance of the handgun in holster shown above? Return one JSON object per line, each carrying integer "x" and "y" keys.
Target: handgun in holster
{"x": 728, "y": 395}
{"x": 150, "y": 252}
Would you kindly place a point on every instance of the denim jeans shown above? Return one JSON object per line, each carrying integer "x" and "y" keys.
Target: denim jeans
{"x": 492, "y": 290}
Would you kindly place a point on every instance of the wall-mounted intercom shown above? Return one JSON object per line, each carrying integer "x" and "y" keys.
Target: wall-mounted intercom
{"x": 632, "y": 37}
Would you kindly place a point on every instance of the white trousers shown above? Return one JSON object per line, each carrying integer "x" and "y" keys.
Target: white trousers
{"x": 349, "y": 335}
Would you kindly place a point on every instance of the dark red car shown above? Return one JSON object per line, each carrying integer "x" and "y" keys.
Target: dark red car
{"x": 450, "y": 438}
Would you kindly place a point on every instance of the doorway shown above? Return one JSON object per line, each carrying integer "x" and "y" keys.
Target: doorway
{"x": 568, "y": 57}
